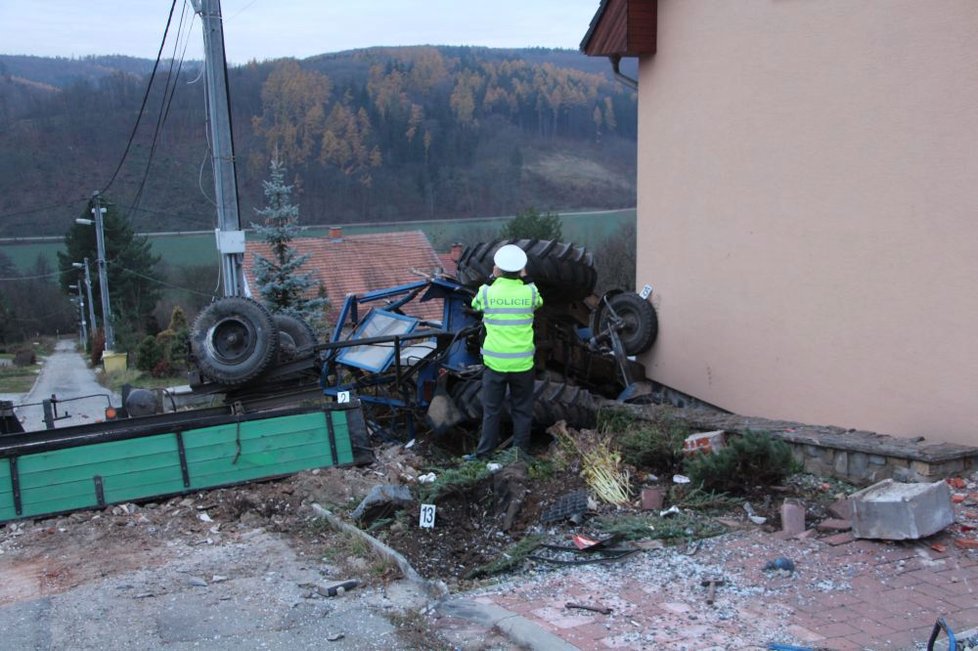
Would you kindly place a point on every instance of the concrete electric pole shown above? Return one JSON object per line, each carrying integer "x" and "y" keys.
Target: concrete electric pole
{"x": 88, "y": 290}
{"x": 230, "y": 237}
{"x": 103, "y": 282}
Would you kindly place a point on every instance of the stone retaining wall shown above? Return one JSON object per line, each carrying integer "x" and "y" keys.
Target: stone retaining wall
{"x": 858, "y": 457}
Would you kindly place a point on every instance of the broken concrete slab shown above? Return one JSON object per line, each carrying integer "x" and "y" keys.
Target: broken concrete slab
{"x": 893, "y": 511}
{"x": 382, "y": 501}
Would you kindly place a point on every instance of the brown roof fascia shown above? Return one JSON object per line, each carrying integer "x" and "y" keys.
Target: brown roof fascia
{"x": 622, "y": 28}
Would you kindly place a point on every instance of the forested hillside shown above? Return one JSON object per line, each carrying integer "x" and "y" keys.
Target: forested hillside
{"x": 382, "y": 134}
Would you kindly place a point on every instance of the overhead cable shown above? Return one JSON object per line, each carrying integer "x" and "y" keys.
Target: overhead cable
{"x": 142, "y": 108}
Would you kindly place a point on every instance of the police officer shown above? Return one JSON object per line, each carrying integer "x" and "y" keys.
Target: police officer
{"x": 507, "y": 303}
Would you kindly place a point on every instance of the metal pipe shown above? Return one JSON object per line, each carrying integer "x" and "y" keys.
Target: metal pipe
{"x": 623, "y": 78}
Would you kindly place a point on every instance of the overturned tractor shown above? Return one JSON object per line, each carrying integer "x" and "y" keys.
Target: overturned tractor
{"x": 385, "y": 352}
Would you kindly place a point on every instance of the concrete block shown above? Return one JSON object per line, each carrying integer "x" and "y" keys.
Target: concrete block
{"x": 858, "y": 462}
{"x": 893, "y": 511}
{"x": 841, "y": 463}
{"x": 792, "y": 518}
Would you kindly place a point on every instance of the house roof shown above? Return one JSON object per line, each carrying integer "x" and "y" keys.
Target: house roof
{"x": 354, "y": 264}
{"x": 622, "y": 28}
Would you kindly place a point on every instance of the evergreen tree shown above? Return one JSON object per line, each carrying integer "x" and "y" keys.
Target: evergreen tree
{"x": 130, "y": 267}
{"x": 283, "y": 289}
{"x": 531, "y": 225}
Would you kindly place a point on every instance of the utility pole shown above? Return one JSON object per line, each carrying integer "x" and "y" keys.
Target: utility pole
{"x": 230, "y": 237}
{"x": 91, "y": 303}
{"x": 81, "y": 314}
{"x": 88, "y": 289}
{"x": 103, "y": 281}
{"x": 103, "y": 278}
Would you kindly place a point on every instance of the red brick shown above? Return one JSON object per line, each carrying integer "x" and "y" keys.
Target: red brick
{"x": 652, "y": 498}
{"x": 841, "y": 509}
{"x": 792, "y": 518}
{"x": 588, "y": 633}
{"x": 837, "y": 629}
{"x": 838, "y": 539}
{"x": 834, "y": 524}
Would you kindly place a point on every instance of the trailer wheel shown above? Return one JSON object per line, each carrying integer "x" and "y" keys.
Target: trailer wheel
{"x": 296, "y": 338}
{"x": 563, "y": 271}
{"x": 234, "y": 340}
{"x": 552, "y": 401}
{"x": 641, "y": 324}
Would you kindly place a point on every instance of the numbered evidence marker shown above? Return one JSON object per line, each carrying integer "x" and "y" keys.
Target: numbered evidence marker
{"x": 343, "y": 396}
{"x": 427, "y": 516}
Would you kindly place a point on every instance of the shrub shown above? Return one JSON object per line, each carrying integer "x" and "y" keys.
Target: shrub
{"x": 25, "y": 357}
{"x": 653, "y": 444}
{"x": 148, "y": 354}
{"x": 162, "y": 369}
{"x": 754, "y": 459}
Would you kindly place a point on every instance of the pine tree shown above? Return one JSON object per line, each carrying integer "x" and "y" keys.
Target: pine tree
{"x": 283, "y": 289}
{"x": 530, "y": 224}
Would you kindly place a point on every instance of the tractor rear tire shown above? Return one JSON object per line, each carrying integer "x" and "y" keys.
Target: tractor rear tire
{"x": 552, "y": 401}
{"x": 563, "y": 272}
{"x": 234, "y": 340}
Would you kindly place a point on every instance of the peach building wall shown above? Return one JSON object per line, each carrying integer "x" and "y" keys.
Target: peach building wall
{"x": 808, "y": 210}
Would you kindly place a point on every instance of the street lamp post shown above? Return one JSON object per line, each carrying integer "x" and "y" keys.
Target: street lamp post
{"x": 103, "y": 281}
{"x": 81, "y": 311}
{"x": 88, "y": 289}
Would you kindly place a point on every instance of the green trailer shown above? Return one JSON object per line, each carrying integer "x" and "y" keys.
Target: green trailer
{"x": 43, "y": 473}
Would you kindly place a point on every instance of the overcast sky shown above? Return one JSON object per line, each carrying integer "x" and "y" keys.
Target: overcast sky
{"x": 266, "y": 29}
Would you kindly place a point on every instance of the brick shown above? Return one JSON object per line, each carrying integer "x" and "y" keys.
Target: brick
{"x": 838, "y": 629}
{"x": 792, "y": 517}
{"x": 834, "y": 524}
{"x": 841, "y": 509}
{"x": 838, "y": 539}
{"x": 653, "y": 498}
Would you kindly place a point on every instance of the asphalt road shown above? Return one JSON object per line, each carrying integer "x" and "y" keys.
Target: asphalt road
{"x": 66, "y": 375}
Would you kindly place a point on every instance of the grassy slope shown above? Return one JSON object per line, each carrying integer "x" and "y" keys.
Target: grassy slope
{"x": 191, "y": 249}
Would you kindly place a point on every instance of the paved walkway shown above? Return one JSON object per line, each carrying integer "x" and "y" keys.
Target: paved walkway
{"x": 843, "y": 595}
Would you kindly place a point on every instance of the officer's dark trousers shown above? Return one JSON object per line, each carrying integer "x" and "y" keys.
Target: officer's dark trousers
{"x": 494, "y": 386}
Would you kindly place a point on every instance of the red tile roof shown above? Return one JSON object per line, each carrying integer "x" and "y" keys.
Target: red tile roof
{"x": 354, "y": 264}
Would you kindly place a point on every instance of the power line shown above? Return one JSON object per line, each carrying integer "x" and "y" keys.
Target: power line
{"x": 160, "y": 282}
{"x": 142, "y": 108}
{"x": 48, "y": 275}
{"x": 169, "y": 90}
{"x": 31, "y": 211}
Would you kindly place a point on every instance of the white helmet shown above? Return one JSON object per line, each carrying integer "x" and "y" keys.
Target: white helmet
{"x": 510, "y": 258}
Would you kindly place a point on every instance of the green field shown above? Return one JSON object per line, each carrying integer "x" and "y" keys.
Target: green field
{"x": 588, "y": 228}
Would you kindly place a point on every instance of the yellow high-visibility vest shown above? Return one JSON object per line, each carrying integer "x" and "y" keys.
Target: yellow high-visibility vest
{"x": 507, "y": 307}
